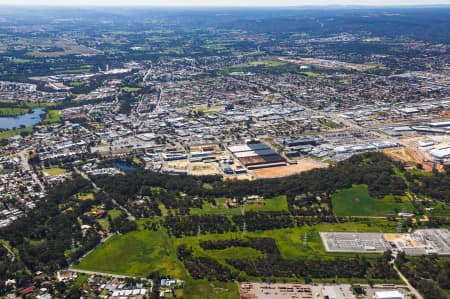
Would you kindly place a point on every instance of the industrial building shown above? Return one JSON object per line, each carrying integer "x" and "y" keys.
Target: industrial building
{"x": 354, "y": 242}
{"x": 255, "y": 154}
{"x": 420, "y": 242}
{"x": 389, "y": 295}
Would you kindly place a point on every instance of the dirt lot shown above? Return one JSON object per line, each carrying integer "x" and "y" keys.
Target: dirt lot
{"x": 280, "y": 171}
{"x": 404, "y": 155}
{"x": 194, "y": 168}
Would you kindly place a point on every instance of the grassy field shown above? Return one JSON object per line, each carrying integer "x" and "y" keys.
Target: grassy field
{"x": 39, "y": 105}
{"x": 10, "y": 133}
{"x": 267, "y": 63}
{"x": 311, "y": 74}
{"x": 278, "y": 203}
{"x": 104, "y": 223}
{"x": 356, "y": 201}
{"x": 7, "y": 101}
{"x": 329, "y": 123}
{"x": 77, "y": 83}
{"x": 114, "y": 213}
{"x": 201, "y": 289}
{"x": 81, "y": 278}
{"x": 52, "y": 117}
{"x": 290, "y": 241}
{"x": 54, "y": 171}
{"x": 131, "y": 89}
{"x": 136, "y": 253}
{"x": 440, "y": 208}
{"x": 137, "y": 161}
{"x": 85, "y": 196}
{"x": 141, "y": 252}
{"x": 20, "y": 60}
{"x": 11, "y": 112}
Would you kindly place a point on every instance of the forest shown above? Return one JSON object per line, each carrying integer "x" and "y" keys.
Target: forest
{"x": 45, "y": 238}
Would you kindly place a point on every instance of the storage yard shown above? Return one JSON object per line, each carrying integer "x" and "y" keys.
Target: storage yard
{"x": 257, "y": 290}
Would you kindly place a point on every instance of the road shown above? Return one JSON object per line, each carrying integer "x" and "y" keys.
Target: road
{"x": 99, "y": 273}
{"x": 406, "y": 281}
{"x": 26, "y": 166}
{"x": 84, "y": 175}
{"x": 160, "y": 92}
{"x": 147, "y": 73}
{"x": 11, "y": 254}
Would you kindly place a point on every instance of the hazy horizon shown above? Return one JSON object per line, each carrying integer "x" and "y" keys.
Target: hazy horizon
{"x": 222, "y": 3}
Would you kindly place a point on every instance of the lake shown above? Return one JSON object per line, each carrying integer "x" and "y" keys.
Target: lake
{"x": 29, "y": 119}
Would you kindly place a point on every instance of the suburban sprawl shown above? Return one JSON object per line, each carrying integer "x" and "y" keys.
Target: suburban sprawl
{"x": 225, "y": 153}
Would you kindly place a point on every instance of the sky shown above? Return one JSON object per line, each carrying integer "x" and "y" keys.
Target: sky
{"x": 221, "y": 2}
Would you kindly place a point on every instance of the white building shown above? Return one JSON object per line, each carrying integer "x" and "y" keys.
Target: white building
{"x": 389, "y": 295}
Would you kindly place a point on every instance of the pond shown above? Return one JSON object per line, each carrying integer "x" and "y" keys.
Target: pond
{"x": 29, "y": 119}
{"x": 124, "y": 166}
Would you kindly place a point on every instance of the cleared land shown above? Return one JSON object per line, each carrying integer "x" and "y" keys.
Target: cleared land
{"x": 356, "y": 201}
{"x": 142, "y": 252}
{"x": 194, "y": 168}
{"x": 280, "y": 171}
{"x": 403, "y": 154}
{"x": 200, "y": 289}
{"x": 136, "y": 253}
{"x": 278, "y": 203}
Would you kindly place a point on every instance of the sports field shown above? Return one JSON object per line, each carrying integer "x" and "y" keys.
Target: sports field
{"x": 356, "y": 201}
{"x": 54, "y": 171}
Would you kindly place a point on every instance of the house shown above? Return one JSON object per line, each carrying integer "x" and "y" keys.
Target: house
{"x": 28, "y": 290}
